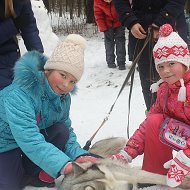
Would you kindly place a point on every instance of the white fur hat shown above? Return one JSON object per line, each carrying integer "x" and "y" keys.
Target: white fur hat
{"x": 68, "y": 56}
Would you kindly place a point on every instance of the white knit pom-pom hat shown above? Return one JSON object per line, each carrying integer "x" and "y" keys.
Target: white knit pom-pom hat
{"x": 68, "y": 56}
{"x": 170, "y": 47}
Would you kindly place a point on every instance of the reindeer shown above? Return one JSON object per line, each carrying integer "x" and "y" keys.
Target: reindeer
{"x": 107, "y": 174}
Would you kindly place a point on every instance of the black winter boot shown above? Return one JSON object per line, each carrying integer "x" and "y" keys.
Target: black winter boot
{"x": 113, "y": 65}
{"x": 122, "y": 67}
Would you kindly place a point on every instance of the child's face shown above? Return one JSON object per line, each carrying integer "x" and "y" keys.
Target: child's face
{"x": 60, "y": 81}
{"x": 171, "y": 71}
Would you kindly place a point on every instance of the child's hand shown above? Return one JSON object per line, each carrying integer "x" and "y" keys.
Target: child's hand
{"x": 122, "y": 156}
{"x": 179, "y": 168}
{"x": 68, "y": 168}
{"x": 86, "y": 158}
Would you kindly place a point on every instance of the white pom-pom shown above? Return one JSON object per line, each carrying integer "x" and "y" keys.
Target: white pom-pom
{"x": 154, "y": 87}
{"x": 182, "y": 92}
{"x": 76, "y": 39}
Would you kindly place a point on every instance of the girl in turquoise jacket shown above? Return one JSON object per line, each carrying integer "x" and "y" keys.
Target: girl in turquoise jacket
{"x": 37, "y": 142}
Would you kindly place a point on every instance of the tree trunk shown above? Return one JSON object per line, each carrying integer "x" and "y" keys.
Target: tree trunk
{"x": 46, "y": 4}
{"x": 89, "y": 11}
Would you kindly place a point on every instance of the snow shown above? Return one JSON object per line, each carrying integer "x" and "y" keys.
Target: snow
{"x": 97, "y": 91}
{"x": 49, "y": 39}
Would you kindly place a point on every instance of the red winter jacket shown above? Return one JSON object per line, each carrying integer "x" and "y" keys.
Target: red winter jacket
{"x": 174, "y": 109}
{"x": 105, "y": 15}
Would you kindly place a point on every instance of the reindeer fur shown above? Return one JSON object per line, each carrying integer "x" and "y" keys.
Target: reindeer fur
{"x": 107, "y": 174}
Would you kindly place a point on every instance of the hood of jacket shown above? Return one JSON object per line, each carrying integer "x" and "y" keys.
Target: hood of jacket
{"x": 28, "y": 71}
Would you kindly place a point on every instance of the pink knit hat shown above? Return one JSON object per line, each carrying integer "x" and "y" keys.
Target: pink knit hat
{"x": 170, "y": 47}
{"x": 68, "y": 56}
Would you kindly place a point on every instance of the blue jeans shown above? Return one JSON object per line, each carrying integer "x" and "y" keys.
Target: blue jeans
{"x": 15, "y": 164}
{"x": 114, "y": 38}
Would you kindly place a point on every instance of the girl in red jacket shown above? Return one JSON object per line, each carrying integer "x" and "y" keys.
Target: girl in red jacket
{"x": 114, "y": 34}
{"x": 172, "y": 61}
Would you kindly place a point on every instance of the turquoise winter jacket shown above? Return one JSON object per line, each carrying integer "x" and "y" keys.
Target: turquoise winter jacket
{"x": 20, "y": 104}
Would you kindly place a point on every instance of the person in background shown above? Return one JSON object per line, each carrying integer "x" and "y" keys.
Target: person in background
{"x": 187, "y": 17}
{"x": 114, "y": 34}
{"x": 16, "y": 17}
{"x": 37, "y": 142}
{"x": 172, "y": 60}
{"x": 137, "y": 17}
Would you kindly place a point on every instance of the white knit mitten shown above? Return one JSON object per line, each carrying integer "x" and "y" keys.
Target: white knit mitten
{"x": 179, "y": 168}
{"x": 122, "y": 156}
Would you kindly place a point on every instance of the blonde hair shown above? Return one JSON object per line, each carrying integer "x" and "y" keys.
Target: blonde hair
{"x": 9, "y": 9}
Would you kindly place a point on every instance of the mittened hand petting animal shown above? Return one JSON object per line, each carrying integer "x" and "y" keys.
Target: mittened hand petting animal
{"x": 121, "y": 156}
{"x": 179, "y": 168}
{"x": 86, "y": 158}
{"x": 68, "y": 168}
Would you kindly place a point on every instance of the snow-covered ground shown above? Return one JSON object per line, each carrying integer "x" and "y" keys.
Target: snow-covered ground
{"x": 97, "y": 92}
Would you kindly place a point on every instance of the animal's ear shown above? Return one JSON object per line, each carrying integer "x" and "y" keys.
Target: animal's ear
{"x": 78, "y": 169}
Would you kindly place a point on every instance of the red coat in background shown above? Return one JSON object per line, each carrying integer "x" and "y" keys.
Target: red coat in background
{"x": 105, "y": 15}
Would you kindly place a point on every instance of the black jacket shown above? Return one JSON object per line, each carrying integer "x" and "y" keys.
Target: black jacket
{"x": 147, "y": 12}
{"x": 25, "y": 24}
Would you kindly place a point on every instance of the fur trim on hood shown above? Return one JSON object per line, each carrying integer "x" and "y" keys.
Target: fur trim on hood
{"x": 26, "y": 70}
